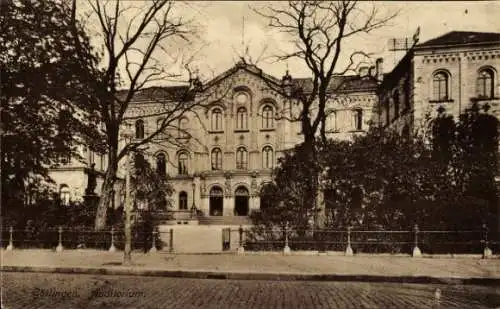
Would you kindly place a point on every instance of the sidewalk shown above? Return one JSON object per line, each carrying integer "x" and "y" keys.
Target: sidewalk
{"x": 266, "y": 267}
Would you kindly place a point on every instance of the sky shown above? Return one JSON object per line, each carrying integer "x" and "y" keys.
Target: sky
{"x": 227, "y": 28}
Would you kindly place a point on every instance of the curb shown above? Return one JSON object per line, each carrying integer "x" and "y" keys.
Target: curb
{"x": 254, "y": 276}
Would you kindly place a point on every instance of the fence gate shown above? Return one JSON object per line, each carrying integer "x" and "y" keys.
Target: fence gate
{"x": 226, "y": 239}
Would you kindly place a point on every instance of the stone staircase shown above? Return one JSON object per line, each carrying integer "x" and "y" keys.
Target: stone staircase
{"x": 224, "y": 220}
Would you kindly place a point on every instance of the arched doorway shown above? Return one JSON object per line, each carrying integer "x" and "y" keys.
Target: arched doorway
{"x": 241, "y": 201}
{"x": 216, "y": 201}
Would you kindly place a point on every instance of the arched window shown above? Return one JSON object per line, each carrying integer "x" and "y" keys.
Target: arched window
{"x": 183, "y": 163}
{"x": 485, "y": 84}
{"x": 267, "y": 117}
{"x": 216, "y": 119}
{"x": 241, "y": 158}
{"x": 396, "y": 104}
{"x": 267, "y": 157}
{"x": 241, "y": 119}
{"x": 161, "y": 164}
{"x": 183, "y": 128}
{"x": 65, "y": 195}
{"x": 216, "y": 159}
{"x": 440, "y": 86}
{"x": 331, "y": 121}
{"x": 358, "y": 119}
{"x": 139, "y": 128}
{"x": 183, "y": 200}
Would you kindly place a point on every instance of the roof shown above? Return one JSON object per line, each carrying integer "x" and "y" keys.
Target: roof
{"x": 339, "y": 83}
{"x": 454, "y": 38}
{"x": 243, "y": 65}
{"x": 345, "y": 83}
{"x": 166, "y": 93}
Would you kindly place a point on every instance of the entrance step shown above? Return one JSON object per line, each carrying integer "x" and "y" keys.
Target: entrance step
{"x": 224, "y": 220}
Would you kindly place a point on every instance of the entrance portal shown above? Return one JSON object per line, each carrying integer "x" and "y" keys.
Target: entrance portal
{"x": 241, "y": 201}
{"x": 216, "y": 203}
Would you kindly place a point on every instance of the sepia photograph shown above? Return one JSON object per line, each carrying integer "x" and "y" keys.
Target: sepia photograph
{"x": 249, "y": 154}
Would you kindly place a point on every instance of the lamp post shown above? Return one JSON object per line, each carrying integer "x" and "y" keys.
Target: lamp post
{"x": 127, "y": 258}
{"x": 193, "y": 206}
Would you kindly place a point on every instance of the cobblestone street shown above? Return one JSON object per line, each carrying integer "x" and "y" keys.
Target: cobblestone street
{"x": 35, "y": 290}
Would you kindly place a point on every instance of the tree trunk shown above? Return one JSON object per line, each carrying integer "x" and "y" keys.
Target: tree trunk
{"x": 107, "y": 190}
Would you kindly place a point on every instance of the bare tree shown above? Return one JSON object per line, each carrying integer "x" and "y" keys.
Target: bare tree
{"x": 138, "y": 39}
{"x": 318, "y": 31}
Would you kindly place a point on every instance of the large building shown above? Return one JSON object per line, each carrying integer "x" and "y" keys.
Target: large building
{"x": 446, "y": 75}
{"x": 224, "y": 151}
{"x": 450, "y": 72}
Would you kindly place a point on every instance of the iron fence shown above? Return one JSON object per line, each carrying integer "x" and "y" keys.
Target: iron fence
{"x": 252, "y": 239}
{"x": 371, "y": 241}
{"x": 79, "y": 238}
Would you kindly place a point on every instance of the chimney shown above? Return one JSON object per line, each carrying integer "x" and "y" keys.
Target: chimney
{"x": 363, "y": 71}
{"x": 379, "y": 69}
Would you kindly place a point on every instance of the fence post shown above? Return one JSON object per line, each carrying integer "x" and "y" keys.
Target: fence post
{"x": 153, "y": 244}
{"x": 112, "y": 248}
{"x": 348, "y": 249}
{"x": 487, "y": 253}
{"x": 171, "y": 241}
{"x": 241, "y": 249}
{"x": 416, "y": 250}
{"x": 286, "y": 249}
{"x": 59, "y": 247}
{"x": 10, "y": 247}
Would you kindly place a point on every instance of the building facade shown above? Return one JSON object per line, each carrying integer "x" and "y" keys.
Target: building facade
{"x": 450, "y": 72}
{"x": 223, "y": 152}
{"x": 447, "y": 75}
